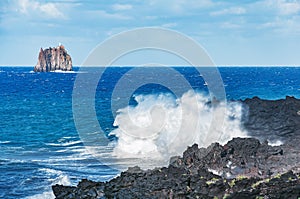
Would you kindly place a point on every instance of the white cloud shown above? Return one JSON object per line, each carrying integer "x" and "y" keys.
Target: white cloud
{"x": 281, "y": 25}
{"x": 287, "y": 8}
{"x": 121, "y": 7}
{"x": 229, "y": 25}
{"x": 229, "y": 11}
{"x": 104, "y": 14}
{"x": 180, "y": 6}
{"x": 169, "y": 25}
{"x": 51, "y": 10}
{"x": 151, "y": 17}
{"x": 284, "y": 17}
{"x": 29, "y": 7}
{"x": 284, "y": 7}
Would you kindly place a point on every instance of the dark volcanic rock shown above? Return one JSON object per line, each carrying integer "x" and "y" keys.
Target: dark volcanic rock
{"x": 85, "y": 189}
{"x": 246, "y": 168}
{"x": 272, "y": 118}
{"x": 52, "y": 59}
{"x": 240, "y": 156}
{"x": 242, "y": 168}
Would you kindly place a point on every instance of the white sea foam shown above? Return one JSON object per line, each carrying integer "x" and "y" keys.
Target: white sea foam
{"x": 275, "y": 143}
{"x": 69, "y": 137}
{"x": 49, "y": 171}
{"x": 5, "y": 142}
{"x": 160, "y": 126}
{"x": 69, "y": 143}
{"x": 61, "y": 179}
{"x": 10, "y": 160}
{"x": 67, "y": 149}
{"x": 62, "y": 71}
{"x": 45, "y": 195}
{"x": 215, "y": 172}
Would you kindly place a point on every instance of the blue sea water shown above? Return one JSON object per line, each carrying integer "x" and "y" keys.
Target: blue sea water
{"x": 39, "y": 143}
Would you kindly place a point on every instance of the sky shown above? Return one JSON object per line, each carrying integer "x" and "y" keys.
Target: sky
{"x": 244, "y": 32}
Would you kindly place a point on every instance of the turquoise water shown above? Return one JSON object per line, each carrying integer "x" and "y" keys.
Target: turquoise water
{"x": 39, "y": 142}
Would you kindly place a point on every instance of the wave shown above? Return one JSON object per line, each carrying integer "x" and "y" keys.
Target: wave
{"x": 275, "y": 143}
{"x": 45, "y": 195}
{"x": 71, "y": 149}
{"x": 70, "y": 143}
{"x": 5, "y": 142}
{"x": 61, "y": 179}
{"x": 160, "y": 126}
{"x": 68, "y": 137}
{"x": 62, "y": 71}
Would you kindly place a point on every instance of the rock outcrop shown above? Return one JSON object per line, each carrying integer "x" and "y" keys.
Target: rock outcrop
{"x": 272, "y": 119}
{"x": 52, "y": 59}
{"x": 243, "y": 168}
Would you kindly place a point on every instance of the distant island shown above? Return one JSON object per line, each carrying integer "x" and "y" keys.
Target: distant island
{"x": 52, "y": 59}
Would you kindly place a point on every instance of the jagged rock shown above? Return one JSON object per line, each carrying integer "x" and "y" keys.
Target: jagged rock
{"x": 61, "y": 191}
{"x": 198, "y": 174}
{"x": 242, "y": 168}
{"x": 84, "y": 189}
{"x": 272, "y": 119}
{"x": 52, "y": 59}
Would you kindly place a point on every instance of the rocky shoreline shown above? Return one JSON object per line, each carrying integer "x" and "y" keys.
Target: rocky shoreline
{"x": 272, "y": 119}
{"x": 242, "y": 168}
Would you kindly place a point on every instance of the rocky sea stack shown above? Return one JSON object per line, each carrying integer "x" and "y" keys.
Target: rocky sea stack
{"x": 52, "y": 59}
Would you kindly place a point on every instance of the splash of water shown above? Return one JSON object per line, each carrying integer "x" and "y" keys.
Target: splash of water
{"x": 161, "y": 126}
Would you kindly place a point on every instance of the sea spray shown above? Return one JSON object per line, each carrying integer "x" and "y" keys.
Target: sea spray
{"x": 161, "y": 126}
{"x": 61, "y": 178}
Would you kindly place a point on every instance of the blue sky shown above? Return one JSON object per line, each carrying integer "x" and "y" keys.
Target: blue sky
{"x": 245, "y": 32}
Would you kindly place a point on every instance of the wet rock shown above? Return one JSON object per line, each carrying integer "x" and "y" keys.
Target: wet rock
{"x": 198, "y": 174}
{"x": 274, "y": 119}
{"x": 85, "y": 189}
{"x": 61, "y": 191}
{"x": 242, "y": 168}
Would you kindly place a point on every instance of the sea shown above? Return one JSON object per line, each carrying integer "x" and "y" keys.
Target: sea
{"x": 41, "y": 144}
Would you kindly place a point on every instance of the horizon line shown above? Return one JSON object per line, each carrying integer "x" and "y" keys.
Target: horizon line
{"x": 127, "y": 65}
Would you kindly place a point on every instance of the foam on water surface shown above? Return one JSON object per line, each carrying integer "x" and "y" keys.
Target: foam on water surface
{"x": 160, "y": 126}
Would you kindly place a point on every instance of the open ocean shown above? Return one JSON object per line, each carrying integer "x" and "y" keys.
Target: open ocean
{"x": 39, "y": 143}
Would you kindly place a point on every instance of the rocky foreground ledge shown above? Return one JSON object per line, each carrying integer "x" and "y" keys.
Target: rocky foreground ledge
{"x": 242, "y": 168}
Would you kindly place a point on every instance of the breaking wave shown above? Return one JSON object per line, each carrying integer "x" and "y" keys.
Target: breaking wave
{"x": 62, "y": 71}
{"x": 61, "y": 178}
{"x": 161, "y": 126}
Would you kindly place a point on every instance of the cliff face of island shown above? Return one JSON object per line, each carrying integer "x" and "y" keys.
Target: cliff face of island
{"x": 52, "y": 59}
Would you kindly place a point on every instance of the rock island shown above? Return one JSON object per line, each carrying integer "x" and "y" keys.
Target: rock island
{"x": 52, "y": 59}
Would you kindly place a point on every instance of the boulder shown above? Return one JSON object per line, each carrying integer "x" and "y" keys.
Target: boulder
{"x": 272, "y": 119}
